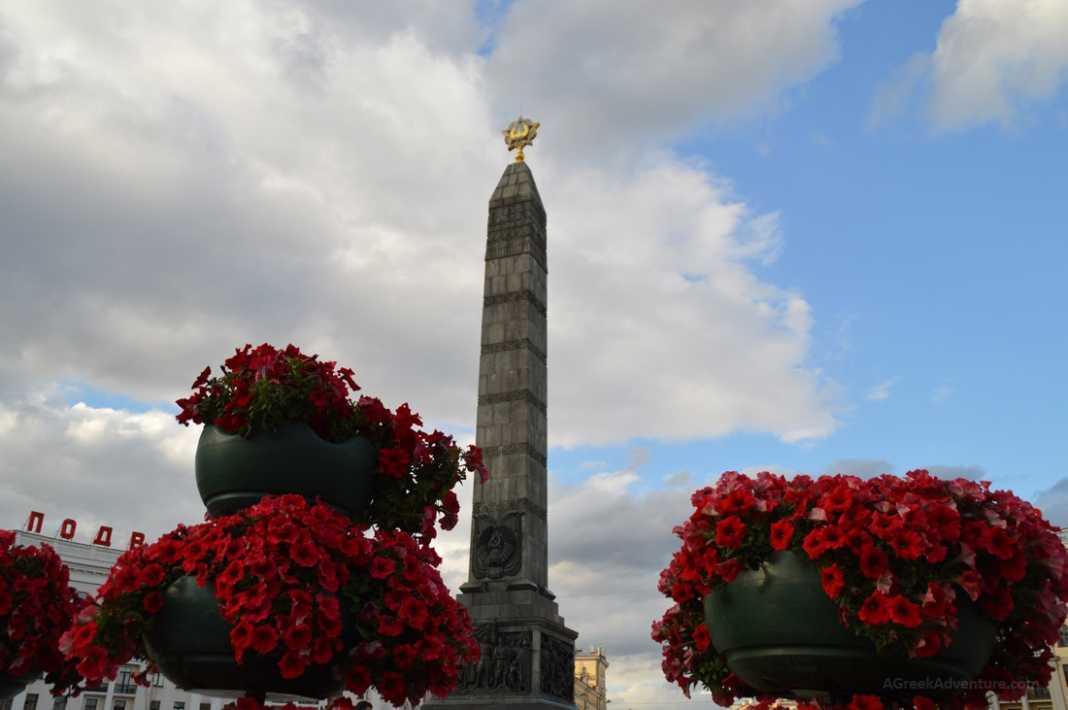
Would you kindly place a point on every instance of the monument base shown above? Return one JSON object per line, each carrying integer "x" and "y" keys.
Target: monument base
{"x": 528, "y": 655}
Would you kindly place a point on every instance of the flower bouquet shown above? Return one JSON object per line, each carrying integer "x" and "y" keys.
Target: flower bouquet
{"x": 285, "y": 597}
{"x": 905, "y": 588}
{"x": 37, "y": 604}
{"x": 280, "y": 421}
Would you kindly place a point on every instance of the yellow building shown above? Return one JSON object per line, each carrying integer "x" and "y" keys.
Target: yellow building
{"x": 591, "y": 684}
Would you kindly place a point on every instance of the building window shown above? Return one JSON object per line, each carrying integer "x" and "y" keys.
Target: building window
{"x": 157, "y": 680}
{"x": 119, "y": 704}
{"x": 1038, "y": 693}
{"x": 179, "y": 705}
{"x": 60, "y": 703}
{"x": 124, "y": 684}
{"x": 5, "y": 704}
{"x": 91, "y": 703}
{"x": 30, "y": 703}
{"x": 1063, "y": 641}
{"x": 154, "y": 705}
{"x": 205, "y": 706}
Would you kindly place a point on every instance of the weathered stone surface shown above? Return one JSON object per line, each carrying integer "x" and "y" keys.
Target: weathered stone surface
{"x": 527, "y": 651}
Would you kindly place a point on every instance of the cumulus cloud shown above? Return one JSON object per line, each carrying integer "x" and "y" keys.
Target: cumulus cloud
{"x": 259, "y": 176}
{"x": 604, "y": 74}
{"x": 608, "y": 543}
{"x": 992, "y": 59}
{"x": 97, "y": 466}
{"x": 1054, "y": 502}
{"x": 869, "y": 468}
{"x": 881, "y": 391}
{"x": 865, "y": 468}
{"x": 974, "y": 473}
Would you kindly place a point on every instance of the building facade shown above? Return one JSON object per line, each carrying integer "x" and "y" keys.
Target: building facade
{"x": 591, "y": 679}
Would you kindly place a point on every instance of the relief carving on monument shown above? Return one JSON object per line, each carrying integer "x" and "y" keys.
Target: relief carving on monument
{"x": 505, "y": 663}
{"x": 498, "y": 548}
{"x": 557, "y": 667}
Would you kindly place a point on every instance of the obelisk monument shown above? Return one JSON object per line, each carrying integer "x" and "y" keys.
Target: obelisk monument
{"x": 527, "y": 652}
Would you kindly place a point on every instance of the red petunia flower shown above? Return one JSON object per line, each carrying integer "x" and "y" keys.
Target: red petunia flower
{"x": 865, "y": 702}
{"x": 413, "y": 612}
{"x": 292, "y": 665}
{"x": 304, "y": 553}
{"x": 833, "y": 580}
{"x": 737, "y": 501}
{"x": 701, "y": 637}
{"x": 782, "y": 532}
{"x": 945, "y": 520}
{"x": 833, "y": 538}
{"x": 1002, "y": 544}
{"x": 298, "y": 637}
{"x": 264, "y": 638}
{"x": 904, "y": 612}
{"x": 884, "y": 526}
{"x": 382, "y": 567}
{"x": 907, "y": 544}
{"x": 405, "y": 656}
{"x": 873, "y": 562}
{"x": 730, "y": 532}
{"x": 875, "y": 610}
{"x": 838, "y": 500}
{"x": 814, "y": 544}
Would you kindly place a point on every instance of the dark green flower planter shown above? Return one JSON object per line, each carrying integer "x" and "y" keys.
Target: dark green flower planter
{"x": 234, "y": 472}
{"x": 190, "y": 642}
{"x": 780, "y": 633}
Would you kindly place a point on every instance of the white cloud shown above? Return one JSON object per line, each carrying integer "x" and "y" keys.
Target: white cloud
{"x": 181, "y": 180}
{"x": 602, "y": 74}
{"x": 1054, "y": 502}
{"x": 865, "y": 468}
{"x": 881, "y": 391}
{"x": 992, "y": 58}
{"x": 973, "y": 472}
{"x": 261, "y": 177}
{"x": 97, "y": 466}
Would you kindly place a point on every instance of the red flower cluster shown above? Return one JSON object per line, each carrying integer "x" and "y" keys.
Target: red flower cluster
{"x": 262, "y": 388}
{"x": 37, "y": 604}
{"x": 897, "y": 556}
{"x": 284, "y": 573}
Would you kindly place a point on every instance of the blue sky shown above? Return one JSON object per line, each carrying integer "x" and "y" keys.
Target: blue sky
{"x": 935, "y": 260}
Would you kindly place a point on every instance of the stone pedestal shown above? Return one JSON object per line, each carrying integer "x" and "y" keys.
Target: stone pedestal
{"x": 528, "y": 654}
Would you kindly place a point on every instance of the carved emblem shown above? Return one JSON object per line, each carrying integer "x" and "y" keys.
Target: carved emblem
{"x": 519, "y": 134}
{"x": 498, "y": 545}
{"x": 505, "y": 663}
{"x": 557, "y": 667}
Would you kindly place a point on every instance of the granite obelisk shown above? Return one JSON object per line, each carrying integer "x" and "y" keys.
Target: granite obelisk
{"x": 527, "y": 651}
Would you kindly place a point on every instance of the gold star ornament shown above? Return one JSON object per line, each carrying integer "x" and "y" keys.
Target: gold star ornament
{"x": 519, "y": 134}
